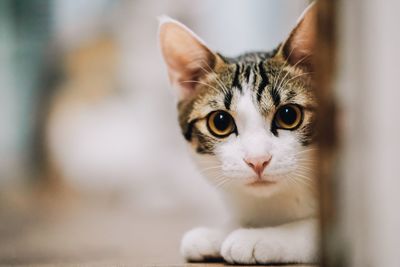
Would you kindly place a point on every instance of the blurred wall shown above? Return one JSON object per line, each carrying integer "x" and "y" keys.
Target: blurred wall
{"x": 368, "y": 177}
{"x": 111, "y": 124}
{"x": 85, "y": 105}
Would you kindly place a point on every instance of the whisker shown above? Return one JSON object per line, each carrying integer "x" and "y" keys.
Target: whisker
{"x": 287, "y": 73}
{"x": 285, "y": 64}
{"x": 211, "y": 168}
{"x": 200, "y": 64}
{"x": 203, "y": 83}
{"x": 301, "y": 182}
{"x": 307, "y": 169}
{"x": 219, "y": 181}
{"x": 293, "y": 180}
{"x": 222, "y": 183}
{"x": 304, "y": 178}
{"x": 295, "y": 77}
{"x": 212, "y": 72}
{"x": 303, "y": 160}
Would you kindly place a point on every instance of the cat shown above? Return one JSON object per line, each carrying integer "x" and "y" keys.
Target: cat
{"x": 249, "y": 121}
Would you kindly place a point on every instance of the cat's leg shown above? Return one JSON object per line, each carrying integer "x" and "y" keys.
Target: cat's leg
{"x": 201, "y": 244}
{"x": 295, "y": 242}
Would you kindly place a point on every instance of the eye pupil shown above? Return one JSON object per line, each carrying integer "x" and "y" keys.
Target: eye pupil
{"x": 288, "y": 115}
{"x": 221, "y": 121}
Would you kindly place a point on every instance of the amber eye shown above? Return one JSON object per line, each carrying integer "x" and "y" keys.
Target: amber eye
{"x": 288, "y": 117}
{"x": 220, "y": 123}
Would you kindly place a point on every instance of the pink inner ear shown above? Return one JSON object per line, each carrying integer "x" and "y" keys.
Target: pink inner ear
{"x": 299, "y": 48}
{"x": 185, "y": 82}
{"x": 188, "y": 70}
{"x": 186, "y": 56}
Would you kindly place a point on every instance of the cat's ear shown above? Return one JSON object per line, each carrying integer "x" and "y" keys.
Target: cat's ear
{"x": 299, "y": 47}
{"x": 185, "y": 54}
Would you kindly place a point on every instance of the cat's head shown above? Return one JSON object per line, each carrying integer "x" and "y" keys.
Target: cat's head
{"x": 250, "y": 119}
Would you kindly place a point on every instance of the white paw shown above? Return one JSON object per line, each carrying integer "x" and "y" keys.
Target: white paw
{"x": 201, "y": 244}
{"x": 251, "y": 246}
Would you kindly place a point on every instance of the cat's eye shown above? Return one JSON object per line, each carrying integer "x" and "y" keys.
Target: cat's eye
{"x": 220, "y": 123}
{"x": 288, "y": 117}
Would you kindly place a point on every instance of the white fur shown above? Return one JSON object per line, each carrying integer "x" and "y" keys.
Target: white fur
{"x": 202, "y": 243}
{"x": 273, "y": 222}
{"x": 292, "y": 242}
{"x": 256, "y": 140}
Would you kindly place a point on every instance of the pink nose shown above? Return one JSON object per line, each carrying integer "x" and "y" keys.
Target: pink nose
{"x": 258, "y": 164}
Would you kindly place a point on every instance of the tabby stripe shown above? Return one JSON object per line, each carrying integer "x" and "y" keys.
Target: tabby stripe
{"x": 274, "y": 129}
{"x": 247, "y": 73}
{"x": 255, "y": 79}
{"x": 276, "y": 98}
{"x": 189, "y": 130}
{"x": 228, "y": 99}
{"x": 205, "y": 145}
{"x": 290, "y": 95}
{"x": 236, "y": 82}
{"x": 264, "y": 81}
{"x": 308, "y": 134}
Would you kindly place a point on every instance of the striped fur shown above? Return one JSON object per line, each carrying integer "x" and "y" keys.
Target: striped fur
{"x": 273, "y": 82}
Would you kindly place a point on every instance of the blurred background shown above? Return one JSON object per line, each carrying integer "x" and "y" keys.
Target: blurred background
{"x": 93, "y": 167}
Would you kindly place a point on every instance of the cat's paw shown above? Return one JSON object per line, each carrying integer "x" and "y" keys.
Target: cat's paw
{"x": 251, "y": 246}
{"x": 202, "y": 244}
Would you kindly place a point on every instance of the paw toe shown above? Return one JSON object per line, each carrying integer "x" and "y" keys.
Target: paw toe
{"x": 238, "y": 248}
{"x": 201, "y": 244}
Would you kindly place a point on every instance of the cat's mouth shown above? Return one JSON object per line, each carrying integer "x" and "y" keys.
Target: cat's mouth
{"x": 259, "y": 182}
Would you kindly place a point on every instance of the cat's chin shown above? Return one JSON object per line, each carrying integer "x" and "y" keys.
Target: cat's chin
{"x": 256, "y": 187}
{"x": 261, "y": 188}
{"x": 260, "y": 182}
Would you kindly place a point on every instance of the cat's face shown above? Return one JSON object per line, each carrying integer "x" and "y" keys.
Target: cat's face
{"x": 249, "y": 120}
{"x": 252, "y": 127}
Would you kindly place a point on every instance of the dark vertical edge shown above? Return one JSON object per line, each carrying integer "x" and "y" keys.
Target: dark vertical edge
{"x": 236, "y": 79}
{"x": 325, "y": 59}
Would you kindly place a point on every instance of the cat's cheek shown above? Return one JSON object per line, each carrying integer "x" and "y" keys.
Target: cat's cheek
{"x": 231, "y": 153}
{"x": 209, "y": 166}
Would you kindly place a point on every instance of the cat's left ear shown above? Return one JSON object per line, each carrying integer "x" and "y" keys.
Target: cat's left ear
{"x": 187, "y": 57}
{"x": 299, "y": 47}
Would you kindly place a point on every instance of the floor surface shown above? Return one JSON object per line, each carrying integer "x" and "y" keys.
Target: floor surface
{"x": 92, "y": 233}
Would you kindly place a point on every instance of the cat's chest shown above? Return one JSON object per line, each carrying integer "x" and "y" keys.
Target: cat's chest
{"x": 261, "y": 212}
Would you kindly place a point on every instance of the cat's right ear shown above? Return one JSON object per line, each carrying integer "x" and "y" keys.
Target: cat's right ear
{"x": 299, "y": 48}
{"x": 186, "y": 56}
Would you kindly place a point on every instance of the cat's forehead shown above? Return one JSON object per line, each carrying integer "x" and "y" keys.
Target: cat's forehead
{"x": 270, "y": 82}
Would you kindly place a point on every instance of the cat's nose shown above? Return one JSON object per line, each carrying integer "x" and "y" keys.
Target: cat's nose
{"x": 258, "y": 164}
